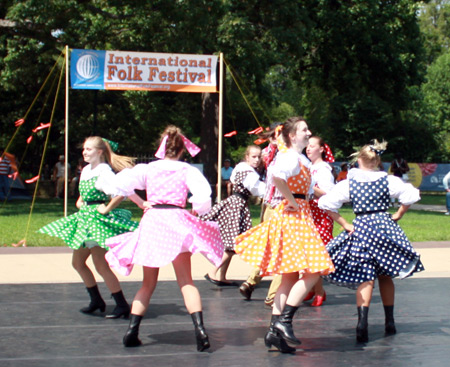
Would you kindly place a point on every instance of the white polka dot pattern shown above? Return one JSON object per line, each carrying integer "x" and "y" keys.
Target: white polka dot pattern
{"x": 378, "y": 246}
{"x": 288, "y": 242}
{"x": 88, "y": 224}
{"x": 164, "y": 233}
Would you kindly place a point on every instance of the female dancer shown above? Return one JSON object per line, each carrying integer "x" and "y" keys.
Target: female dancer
{"x": 288, "y": 243}
{"x": 167, "y": 232}
{"x": 233, "y": 214}
{"x": 86, "y": 231}
{"x": 320, "y": 156}
{"x": 272, "y": 198}
{"x": 374, "y": 246}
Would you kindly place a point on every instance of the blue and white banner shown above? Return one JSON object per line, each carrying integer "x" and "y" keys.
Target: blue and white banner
{"x": 123, "y": 70}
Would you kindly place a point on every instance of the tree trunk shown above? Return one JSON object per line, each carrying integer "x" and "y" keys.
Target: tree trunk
{"x": 209, "y": 136}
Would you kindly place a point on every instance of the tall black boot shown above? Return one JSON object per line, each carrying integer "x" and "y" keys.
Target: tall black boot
{"x": 122, "y": 307}
{"x": 389, "y": 324}
{"x": 273, "y": 338}
{"x": 362, "y": 333}
{"x": 96, "y": 301}
{"x": 200, "y": 332}
{"x": 284, "y": 325}
{"x": 130, "y": 338}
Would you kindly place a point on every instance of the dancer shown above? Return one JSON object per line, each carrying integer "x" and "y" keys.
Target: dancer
{"x": 373, "y": 246}
{"x": 233, "y": 213}
{"x": 167, "y": 232}
{"x": 86, "y": 231}
{"x": 272, "y": 198}
{"x": 320, "y": 156}
{"x": 288, "y": 243}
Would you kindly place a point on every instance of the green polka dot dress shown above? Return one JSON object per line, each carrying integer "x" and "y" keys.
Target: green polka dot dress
{"x": 88, "y": 224}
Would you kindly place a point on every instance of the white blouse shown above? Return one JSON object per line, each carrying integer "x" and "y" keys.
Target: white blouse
{"x": 287, "y": 166}
{"x": 406, "y": 193}
{"x": 131, "y": 179}
{"x": 251, "y": 182}
{"x": 322, "y": 176}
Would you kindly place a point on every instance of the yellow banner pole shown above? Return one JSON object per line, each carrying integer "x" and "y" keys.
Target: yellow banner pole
{"x": 219, "y": 156}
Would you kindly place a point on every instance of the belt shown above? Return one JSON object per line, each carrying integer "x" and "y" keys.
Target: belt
{"x": 95, "y": 202}
{"x": 242, "y": 196}
{"x": 166, "y": 206}
{"x": 299, "y": 196}
{"x": 372, "y": 212}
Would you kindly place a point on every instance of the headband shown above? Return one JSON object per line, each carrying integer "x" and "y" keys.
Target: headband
{"x": 114, "y": 146}
{"x": 190, "y": 146}
{"x": 377, "y": 151}
{"x": 329, "y": 157}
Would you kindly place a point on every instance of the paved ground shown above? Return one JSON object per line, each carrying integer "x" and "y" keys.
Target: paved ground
{"x": 40, "y": 325}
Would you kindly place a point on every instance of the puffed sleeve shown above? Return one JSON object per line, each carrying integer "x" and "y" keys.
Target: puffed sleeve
{"x": 105, "y": 180}
{"x": 130, "y": 179}
{"x": 334, "y": 199}
{"x": 406, "y": 193}
{"x": 286, "y": 165}
{"x": 200, "y": 190}
{"x": 324, "y": 179}
{"x": 253, "y": 184}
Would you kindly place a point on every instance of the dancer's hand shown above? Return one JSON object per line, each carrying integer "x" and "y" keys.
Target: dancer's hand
{"x": 146, "y": 206}
{"x": 349, "y": 228}
{"x": 289, "y": 207}
{"x": 102, "y": 209}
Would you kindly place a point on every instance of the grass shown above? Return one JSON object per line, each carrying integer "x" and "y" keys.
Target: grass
{"x": 15, "y": 218}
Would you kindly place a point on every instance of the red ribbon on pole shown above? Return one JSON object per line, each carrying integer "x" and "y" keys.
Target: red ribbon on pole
{"x": 230, "y": 134}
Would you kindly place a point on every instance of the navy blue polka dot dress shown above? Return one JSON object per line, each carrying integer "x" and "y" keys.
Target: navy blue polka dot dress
{"x": 378, "y": 246}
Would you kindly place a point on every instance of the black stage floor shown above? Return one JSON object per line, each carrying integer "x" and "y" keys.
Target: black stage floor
{"x": 41, "y": 326}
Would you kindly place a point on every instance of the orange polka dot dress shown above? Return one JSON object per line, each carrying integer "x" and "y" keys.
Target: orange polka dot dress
{"x": 288, "y": 242}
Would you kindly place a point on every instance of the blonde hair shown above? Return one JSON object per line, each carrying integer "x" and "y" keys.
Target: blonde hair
{"x": 249, "y": 148}
{"x": 370, "y": 153}
{"x": 174, "y": 143}
{"x": 117, "y": 162}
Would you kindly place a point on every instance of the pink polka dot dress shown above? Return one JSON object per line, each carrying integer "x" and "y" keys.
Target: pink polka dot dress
{"x": 288, "y": 242}
{"x": 165, "y": 230}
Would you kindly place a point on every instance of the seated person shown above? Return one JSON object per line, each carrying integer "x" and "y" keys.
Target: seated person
{"x": 226, "y": 174}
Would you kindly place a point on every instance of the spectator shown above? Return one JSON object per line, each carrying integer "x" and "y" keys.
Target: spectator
{"x": 446, "y": 186}
{"x": 59, "y": 176}
{"x": 226, "y": 174}
{"x": 399, "y": 167}
{"x": 5, "y": 170}
{"x": 343, "y": 174}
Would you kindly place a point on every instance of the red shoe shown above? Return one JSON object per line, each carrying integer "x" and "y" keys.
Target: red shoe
{"x": 309, "y": 296}
{"x": 318, "y": 300}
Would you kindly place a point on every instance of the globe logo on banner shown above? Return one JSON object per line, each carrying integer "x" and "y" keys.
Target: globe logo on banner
{"x": 87, "y": 69}
{"x": 88, "y": 66}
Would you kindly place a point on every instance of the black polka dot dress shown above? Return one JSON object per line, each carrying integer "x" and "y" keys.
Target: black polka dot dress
{"x": 233, "y": 213}
{"x": 378, "y": 246}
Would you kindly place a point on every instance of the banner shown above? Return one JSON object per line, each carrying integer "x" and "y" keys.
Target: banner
{"x": 123, "y": 70}
{"x": 424, "y": 176}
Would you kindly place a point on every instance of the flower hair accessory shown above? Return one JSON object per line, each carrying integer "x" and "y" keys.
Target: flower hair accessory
{"x": 114, "y": 146}
{"x": 377, "y": 151}
{"x": 329, "y": 157}
{"x": 190, "y": 147}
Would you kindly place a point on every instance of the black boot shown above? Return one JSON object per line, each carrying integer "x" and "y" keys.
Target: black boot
{"x": 389, "y": 324}
{"x": 284, "y": 325}
{"x": 122, "y": 307}
{"x": 200, "y": 332}
{"x": 362, "y": 334}
{"x": 96, "y": 301}
{"x": 273, "y": 338}
{"x": 130, "y": 338}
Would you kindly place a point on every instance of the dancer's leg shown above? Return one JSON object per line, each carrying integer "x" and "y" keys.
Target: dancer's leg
{"x": 79, "y": 258}
{"x": 102, "y": 267}
{"x": 144, "y": 294}
{"x": 287, "y": 282}
{"x": 191, "y": 296}
{"x": 220, "y": 273}
{"x": 301, "y": 288}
